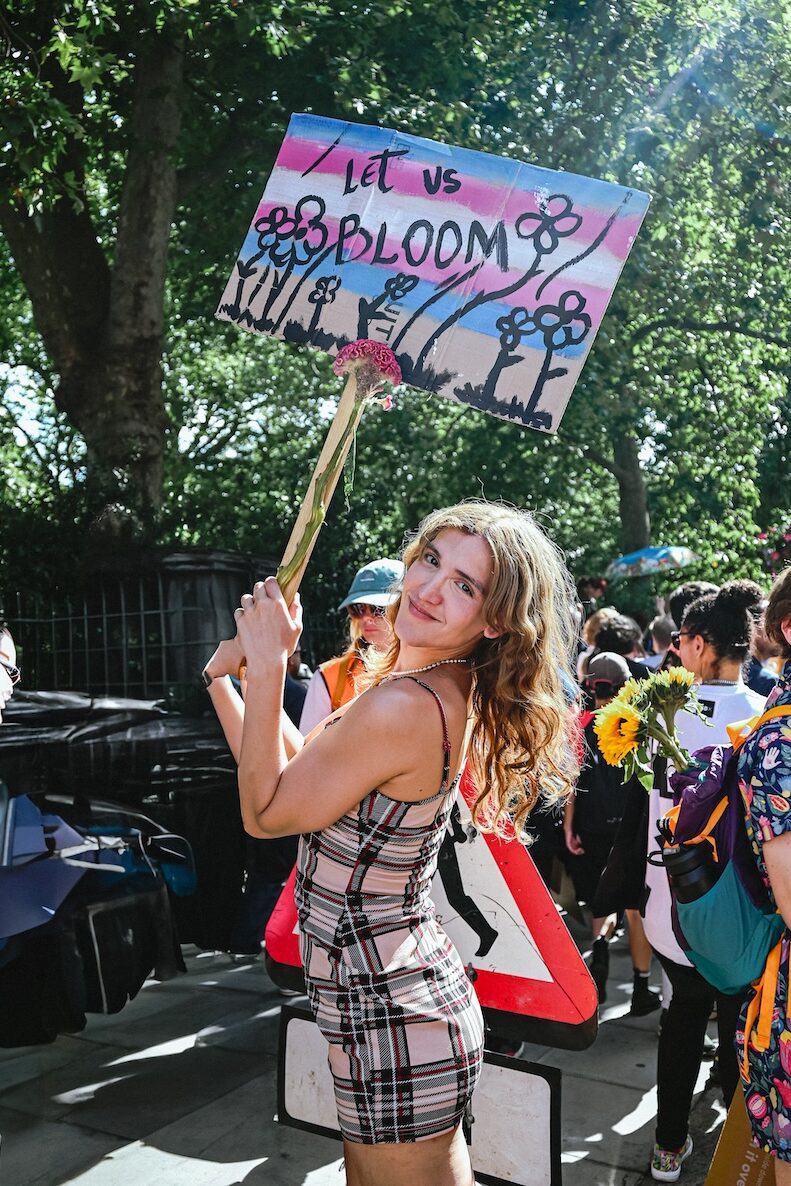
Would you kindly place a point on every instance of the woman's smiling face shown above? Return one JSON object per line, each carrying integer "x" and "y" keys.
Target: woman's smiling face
{"x": 444, "y": 593}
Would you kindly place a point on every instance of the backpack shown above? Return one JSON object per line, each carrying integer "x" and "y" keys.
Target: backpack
{"x": 729, "y": 931}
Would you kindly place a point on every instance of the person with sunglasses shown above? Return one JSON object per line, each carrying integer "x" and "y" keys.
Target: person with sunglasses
{"x": 9, "y": 672}
{"x": 712, "y": 642}
{"x": 334, "y": 683}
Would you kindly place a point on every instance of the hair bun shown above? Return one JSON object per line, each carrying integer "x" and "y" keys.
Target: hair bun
{"x": 738, "y": 596}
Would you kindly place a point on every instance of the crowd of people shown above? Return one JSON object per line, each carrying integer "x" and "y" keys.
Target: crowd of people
{"x": 733, "y": 639}
{"x": 478, "y": 588}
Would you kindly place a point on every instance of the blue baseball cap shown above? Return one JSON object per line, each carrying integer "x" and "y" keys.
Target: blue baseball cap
{"x": 374, "y": 584}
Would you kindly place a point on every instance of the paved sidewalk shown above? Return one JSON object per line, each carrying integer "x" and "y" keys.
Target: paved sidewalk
{"x": 179, "y": 1090}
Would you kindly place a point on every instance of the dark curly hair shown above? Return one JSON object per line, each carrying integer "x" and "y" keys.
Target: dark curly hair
{"x": 725, "y": 619}
{"x": 684, "y": 595}
{"x": 778, "y": 610}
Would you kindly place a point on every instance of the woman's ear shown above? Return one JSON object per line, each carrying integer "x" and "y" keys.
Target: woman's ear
{"x": 492, "y": 632}
{"x": 785, "y": 627}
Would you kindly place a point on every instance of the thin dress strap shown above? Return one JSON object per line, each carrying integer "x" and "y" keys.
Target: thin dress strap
{"x": 445, "y": 735}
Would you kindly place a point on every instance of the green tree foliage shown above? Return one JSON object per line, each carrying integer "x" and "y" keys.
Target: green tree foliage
{"x": 123, "y": 227}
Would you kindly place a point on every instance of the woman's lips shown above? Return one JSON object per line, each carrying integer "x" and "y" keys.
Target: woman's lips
{"x": 420, "y": 613}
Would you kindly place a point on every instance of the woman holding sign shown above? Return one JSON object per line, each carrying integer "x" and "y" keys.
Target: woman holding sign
{"x": 483, "y": 638}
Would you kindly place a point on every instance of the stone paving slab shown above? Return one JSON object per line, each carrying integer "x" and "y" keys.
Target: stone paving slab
{"x": 38, "y": 1152}
{"x": 179, "y": 1090}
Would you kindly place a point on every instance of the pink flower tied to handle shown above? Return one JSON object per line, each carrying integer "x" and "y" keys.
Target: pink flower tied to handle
{"x": 367, "y": 365}
{"x": 371, "y": 363}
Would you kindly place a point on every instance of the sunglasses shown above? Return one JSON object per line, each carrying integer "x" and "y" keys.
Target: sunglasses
{"x": 361, "y": 609}
{"x": 13, "y": 673}
{"x": 677, "y": 635}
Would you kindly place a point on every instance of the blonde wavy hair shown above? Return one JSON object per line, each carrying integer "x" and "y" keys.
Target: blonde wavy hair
{"x": 523, "y": 740}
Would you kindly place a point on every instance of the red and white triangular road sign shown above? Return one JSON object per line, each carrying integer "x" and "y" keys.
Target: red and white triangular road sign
{"x": 531, "y": 981}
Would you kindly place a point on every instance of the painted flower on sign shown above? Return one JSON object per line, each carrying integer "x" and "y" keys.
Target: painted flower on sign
{"x": 324, "y": 290}
{"x": 563, "y": 324}
{"x": 293, "y": 239}
{"x": 555, "y": 221}
{"x": 400, "y": 285}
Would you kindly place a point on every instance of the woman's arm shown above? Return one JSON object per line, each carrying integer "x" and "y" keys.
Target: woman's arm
{"x": 388, "y": 739}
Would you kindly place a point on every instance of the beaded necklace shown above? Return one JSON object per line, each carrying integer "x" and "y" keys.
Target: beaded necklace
{"x": 428, "y": 667}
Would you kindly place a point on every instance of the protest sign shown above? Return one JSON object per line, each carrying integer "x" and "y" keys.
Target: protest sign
{"x": 737, "y": 1161}
{"x": 487, "y": 277}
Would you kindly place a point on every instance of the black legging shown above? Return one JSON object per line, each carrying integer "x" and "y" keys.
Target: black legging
{"x": 681, "y": 1049}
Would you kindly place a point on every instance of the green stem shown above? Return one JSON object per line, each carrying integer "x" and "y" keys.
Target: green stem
{"x": 317, "y": 512}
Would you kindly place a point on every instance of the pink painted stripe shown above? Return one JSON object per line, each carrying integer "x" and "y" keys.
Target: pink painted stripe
{"x": 617, "y": 242}
{"x": 484, "y": 199}
{"x": 489, "y": 275}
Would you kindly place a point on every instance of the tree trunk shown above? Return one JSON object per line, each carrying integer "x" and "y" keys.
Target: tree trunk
{"x": 632, "y": 494}
{"x": 102, "y": 326}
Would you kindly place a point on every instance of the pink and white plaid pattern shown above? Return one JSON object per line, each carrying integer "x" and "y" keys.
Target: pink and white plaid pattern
{"x": 388, "y": 989}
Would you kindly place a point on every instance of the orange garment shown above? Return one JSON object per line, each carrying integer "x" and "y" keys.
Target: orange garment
{"x": 340, "y": 676}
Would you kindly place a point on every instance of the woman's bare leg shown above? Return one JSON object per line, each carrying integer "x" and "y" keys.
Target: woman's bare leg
{"x": 439, "y": 1161}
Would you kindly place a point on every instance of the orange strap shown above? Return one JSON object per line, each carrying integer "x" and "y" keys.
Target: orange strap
{"x": 741, "y": 730}
{"x": 761, "y": 1008}
{"x": 672, "y": 818}
{"x": 336, "y": 677}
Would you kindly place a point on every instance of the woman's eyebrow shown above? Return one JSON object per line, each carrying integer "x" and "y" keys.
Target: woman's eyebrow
{"x": 471, "y": 581}
{"x": 464, "y": 576}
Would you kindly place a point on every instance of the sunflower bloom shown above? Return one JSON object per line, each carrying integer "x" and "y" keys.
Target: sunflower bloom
{"x": 630, "y": 690}
{"x": 617, "y": 728}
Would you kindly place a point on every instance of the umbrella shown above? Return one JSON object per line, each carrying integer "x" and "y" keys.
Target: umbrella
{"x": 649, "y": 560}
{"x": 40, "y": 864}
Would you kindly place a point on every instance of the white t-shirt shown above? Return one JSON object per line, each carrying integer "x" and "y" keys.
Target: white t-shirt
{"x": 724, "y": 705}
{"x": 317, "y": 705}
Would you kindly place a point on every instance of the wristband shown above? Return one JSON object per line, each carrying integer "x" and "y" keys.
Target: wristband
{"x": 207, "y": 679}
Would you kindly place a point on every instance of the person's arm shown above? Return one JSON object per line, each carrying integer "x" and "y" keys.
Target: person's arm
{"x": 572, "y": 840}
{"x": 387, "y": 739}
{"x": 230, "y": 706}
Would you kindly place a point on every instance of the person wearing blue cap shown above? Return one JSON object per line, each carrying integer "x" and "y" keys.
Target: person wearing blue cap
{"x": 334, "y": 683}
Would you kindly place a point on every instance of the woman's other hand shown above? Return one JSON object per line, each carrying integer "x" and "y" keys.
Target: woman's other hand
{"x": 267, "y": 630}
{"x": 226, "y": 660}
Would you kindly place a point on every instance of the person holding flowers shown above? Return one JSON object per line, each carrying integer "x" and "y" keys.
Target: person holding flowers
{"x": 649, "y": 725}
{"x": 483, "y": 641}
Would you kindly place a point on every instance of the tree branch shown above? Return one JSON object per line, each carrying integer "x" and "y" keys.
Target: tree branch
{"x": 689, "y": 325}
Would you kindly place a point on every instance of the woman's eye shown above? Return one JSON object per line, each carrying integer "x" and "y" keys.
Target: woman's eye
{"x": 430, "y": 558}
{"x": 465, "y": 588}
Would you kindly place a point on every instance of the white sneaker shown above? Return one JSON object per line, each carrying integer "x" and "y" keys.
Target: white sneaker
{"x": 666, "y": 1166}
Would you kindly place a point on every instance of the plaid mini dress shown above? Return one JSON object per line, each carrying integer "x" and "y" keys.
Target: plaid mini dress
{"x": 387, "y": 987}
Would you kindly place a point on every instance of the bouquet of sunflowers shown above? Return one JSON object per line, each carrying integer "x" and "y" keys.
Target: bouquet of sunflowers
{"x": 644, "y": 711}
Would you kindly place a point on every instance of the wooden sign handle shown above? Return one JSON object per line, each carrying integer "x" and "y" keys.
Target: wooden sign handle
{"x": 320, "y": 490}
{"x": 317, "y": 498}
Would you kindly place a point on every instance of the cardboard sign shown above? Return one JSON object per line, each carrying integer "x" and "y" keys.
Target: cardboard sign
{"x": 514, "y": 1139}
{"x": 487, "y": 277}
{"x": 529, "y": 977}
{"x": 737, "y": 1161}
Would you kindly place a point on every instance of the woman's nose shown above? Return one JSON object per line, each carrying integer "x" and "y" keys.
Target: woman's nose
{"x": 432, "y": 588}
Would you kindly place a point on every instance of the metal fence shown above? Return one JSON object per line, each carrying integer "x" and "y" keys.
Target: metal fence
{"x": 145, "y": 633}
